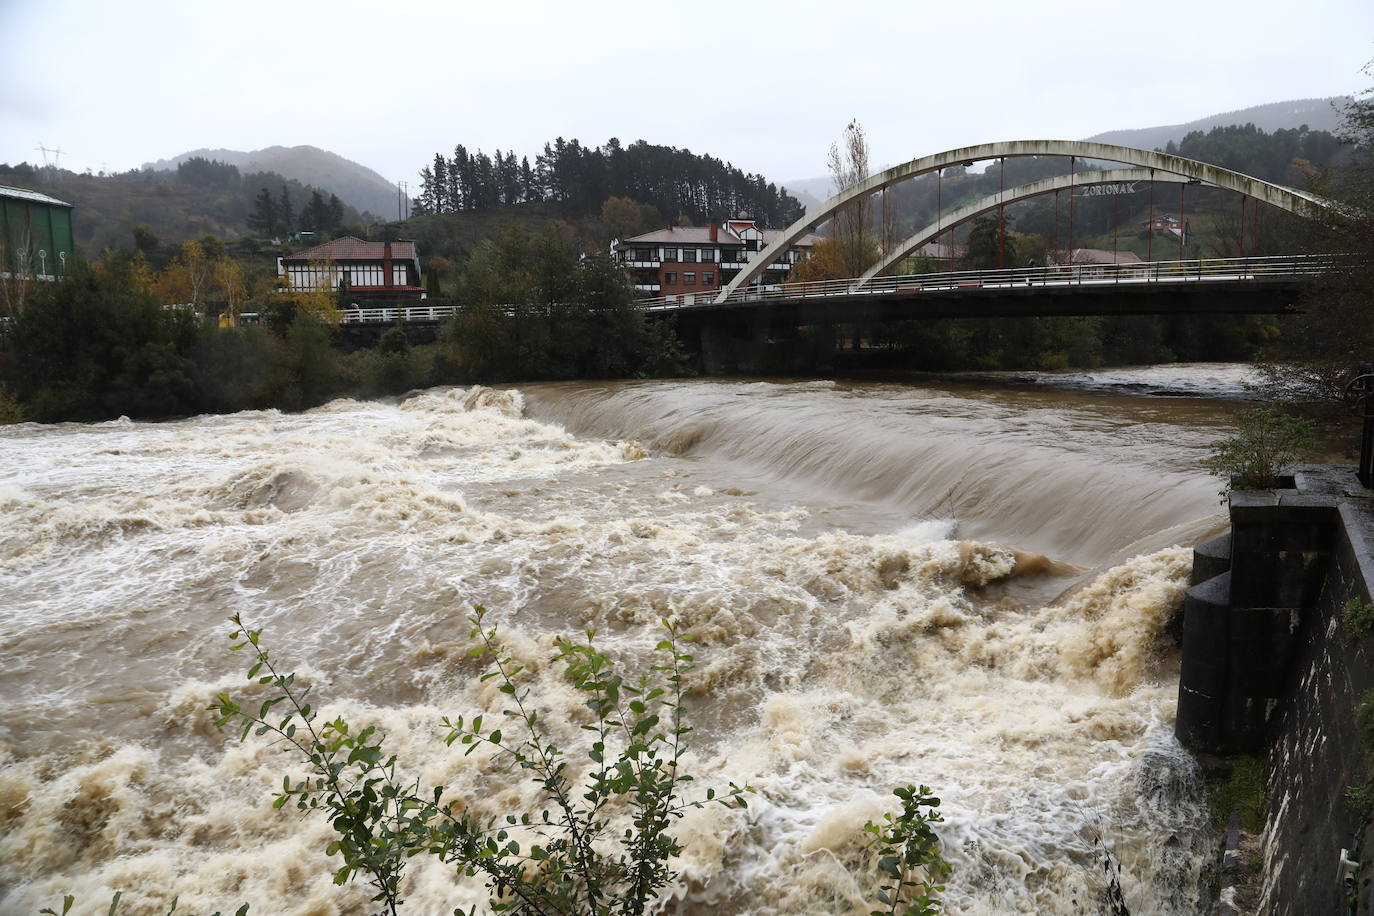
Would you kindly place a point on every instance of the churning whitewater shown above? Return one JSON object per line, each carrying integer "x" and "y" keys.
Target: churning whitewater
{"x": 963, "y": 585}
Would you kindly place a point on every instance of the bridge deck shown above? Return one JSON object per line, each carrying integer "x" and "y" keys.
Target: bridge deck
{"x": 1241, "y": 276}
{"x": 1215, "y": 286}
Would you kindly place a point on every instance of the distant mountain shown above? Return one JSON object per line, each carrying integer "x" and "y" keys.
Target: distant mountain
{"x": 810, "y": 191}
{"x": 1318, "y": 114}
{"x": 357, "y": 185}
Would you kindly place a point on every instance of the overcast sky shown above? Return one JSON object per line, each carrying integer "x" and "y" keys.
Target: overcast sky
{"x": 764, "y": 85}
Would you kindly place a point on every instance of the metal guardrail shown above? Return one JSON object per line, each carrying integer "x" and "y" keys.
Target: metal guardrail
{"x": 1086, "y": 275}
{"x": 387, "y": 315}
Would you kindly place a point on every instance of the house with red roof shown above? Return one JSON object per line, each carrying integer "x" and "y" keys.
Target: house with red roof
{"x": 701, "y": 259}
{"x": 360, "y": 269}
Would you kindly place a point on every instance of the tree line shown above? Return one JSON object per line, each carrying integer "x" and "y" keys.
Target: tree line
{"x": 681, "y": 184}
{"x": 103, "y": 342}
{"x": 1289, "y": 157}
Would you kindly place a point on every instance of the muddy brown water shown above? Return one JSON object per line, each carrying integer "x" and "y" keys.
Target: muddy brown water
{"x": 959, "y": 583}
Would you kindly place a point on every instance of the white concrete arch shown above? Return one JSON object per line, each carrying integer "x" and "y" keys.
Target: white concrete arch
{"x": 1298, "y": 202}
{"x": 1011, "y": 196}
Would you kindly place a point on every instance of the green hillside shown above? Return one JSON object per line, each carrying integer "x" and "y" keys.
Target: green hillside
{"x": 357, "y": 185}
{"x": 108, "y": 208}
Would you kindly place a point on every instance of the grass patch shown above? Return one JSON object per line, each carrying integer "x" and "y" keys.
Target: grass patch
{"x": 10, "y": 411}
{"x": 1245, "y": 790}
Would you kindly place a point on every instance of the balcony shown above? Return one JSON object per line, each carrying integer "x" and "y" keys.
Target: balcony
{"x": 645, "y": 264}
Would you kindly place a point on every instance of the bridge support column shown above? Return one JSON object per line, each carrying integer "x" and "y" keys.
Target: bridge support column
{"x": 823, "y": 347}
{"x": 715, "y": 349}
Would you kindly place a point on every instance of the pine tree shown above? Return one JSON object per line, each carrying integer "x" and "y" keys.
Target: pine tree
{"x": 441, "y": 201}
{"x": 264, "y": 216}
{"x": 335, "y": 213}
{"x": 286, "y": 214}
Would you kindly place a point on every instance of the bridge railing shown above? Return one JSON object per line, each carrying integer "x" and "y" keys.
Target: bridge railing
{"x": 386, "y": 315}
{"x": 1138, "y": 272}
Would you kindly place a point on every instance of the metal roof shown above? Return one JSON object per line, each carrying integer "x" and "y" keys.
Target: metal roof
{"x": 31, "y": 196}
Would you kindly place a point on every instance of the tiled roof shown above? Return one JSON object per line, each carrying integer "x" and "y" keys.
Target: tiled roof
{"x": 349, "y": 248}
{"x": 686, "y": 235}
{"x": 701, "y": 235}
{"x": 1102, "y": 256}
{"x": 31, "y": 196}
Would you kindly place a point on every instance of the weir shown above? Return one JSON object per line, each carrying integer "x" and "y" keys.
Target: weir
{"x": 1271, "y": 667}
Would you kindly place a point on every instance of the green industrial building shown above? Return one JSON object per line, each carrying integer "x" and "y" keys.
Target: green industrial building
{"x": 35, "y": 234}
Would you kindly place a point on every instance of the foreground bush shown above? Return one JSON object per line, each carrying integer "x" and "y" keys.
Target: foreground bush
{"x": 1266, "y": 442}
{"x": 598, "y": 842}
{"x": 566, "y": 858}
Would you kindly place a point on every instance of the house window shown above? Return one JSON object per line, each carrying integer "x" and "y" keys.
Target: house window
{"x": 689, "y": 277}
{"x": 709, "y": 277}
{"x": 670, "y": 254}
{"x": 643, "y": 254}
{"x": 708, "y": 254}
{"x": 670, "y": 278}
{"x": 689, "y": 255}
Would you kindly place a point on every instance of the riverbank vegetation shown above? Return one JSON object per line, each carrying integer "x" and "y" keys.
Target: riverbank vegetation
{"x": 1267, "y": 442}
{"x": 102, "y": 343}
{"x": 1332, "y": 338}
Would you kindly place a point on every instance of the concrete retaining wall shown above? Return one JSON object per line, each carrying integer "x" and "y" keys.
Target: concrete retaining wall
{"x": 1268, "y": 668}
{"x": 1314, "y": 750}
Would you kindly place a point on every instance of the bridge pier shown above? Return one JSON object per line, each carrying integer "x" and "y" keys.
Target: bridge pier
{"x": 737, "y": 346}
{"x": 823, "y": 346}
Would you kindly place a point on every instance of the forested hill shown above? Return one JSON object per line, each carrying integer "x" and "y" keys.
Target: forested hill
{"x": 1317, "y": 114}
{"x": 1287, "y": 157}
{"x": 356, "y": 185}
{"x": 198, "y": 198}
{"x": 676, "y": 183}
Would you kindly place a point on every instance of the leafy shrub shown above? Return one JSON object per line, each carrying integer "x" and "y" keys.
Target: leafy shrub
{"x": 1266, "y": 441}
{"x": 570, "y": 858}
{"x": 1361, "y": 797}
{"x": 564, "y": 859}
{"x": 909, "y": 854}
{"x": 1359, "y": 618}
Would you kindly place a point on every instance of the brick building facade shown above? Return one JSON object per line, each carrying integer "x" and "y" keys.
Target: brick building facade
{"x": 682, "y": 260}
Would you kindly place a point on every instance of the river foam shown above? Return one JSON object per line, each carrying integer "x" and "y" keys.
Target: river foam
{"x": 838, "y": 656}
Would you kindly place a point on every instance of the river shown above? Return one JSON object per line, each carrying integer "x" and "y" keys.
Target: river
{"x": 955, "y": 582}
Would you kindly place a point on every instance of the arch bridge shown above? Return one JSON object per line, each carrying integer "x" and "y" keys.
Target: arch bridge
{"x": 1145, "y": 166}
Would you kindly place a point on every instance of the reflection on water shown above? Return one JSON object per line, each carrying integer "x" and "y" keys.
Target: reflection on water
{"x": 871, "y": 570}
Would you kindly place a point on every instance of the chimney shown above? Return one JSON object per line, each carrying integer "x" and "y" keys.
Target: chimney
{"x": 715, "y": 232}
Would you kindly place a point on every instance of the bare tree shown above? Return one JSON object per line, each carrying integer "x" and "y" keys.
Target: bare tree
{"x": 16, "y": 276}
{"x": 848, "y": 161}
